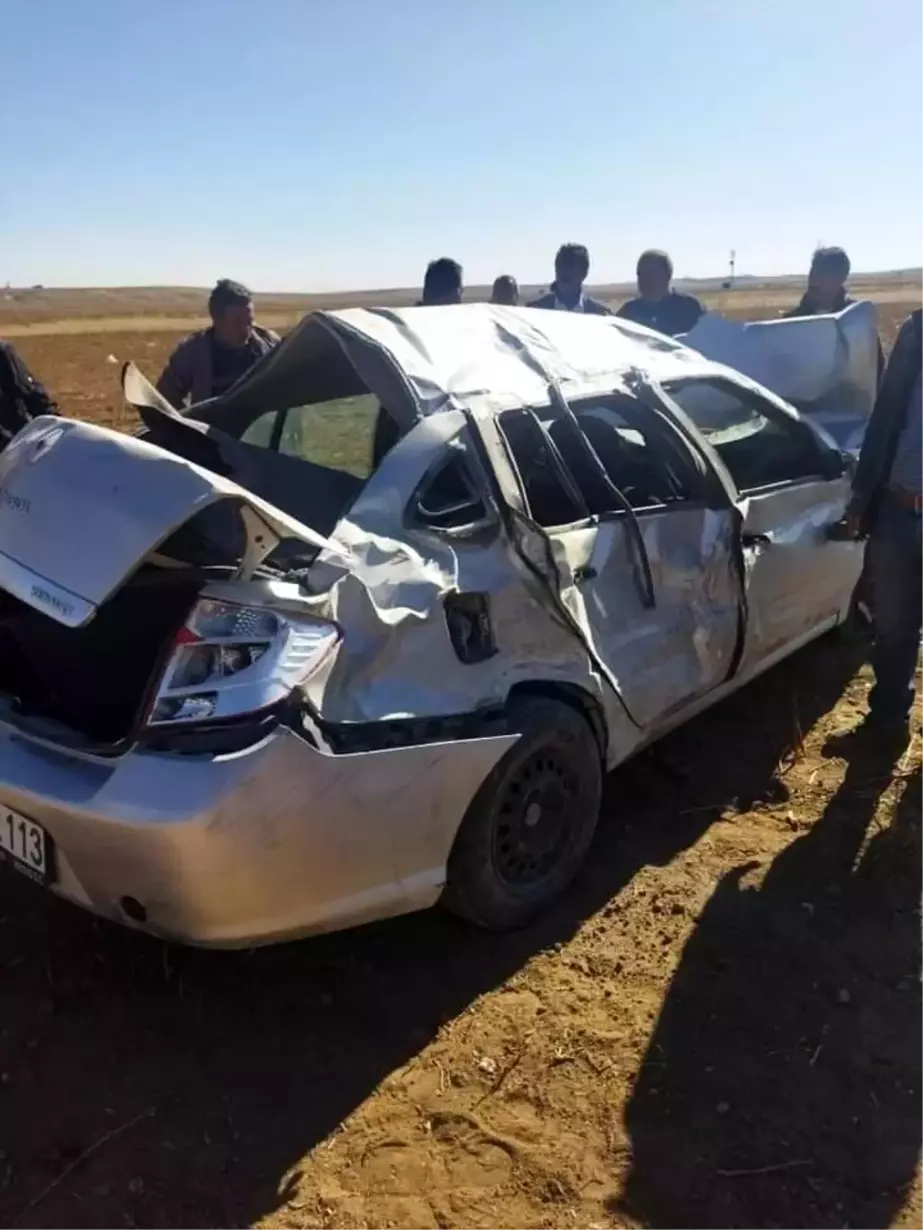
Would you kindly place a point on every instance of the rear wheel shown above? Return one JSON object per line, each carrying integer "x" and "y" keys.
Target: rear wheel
{"x": 530, "y": 825}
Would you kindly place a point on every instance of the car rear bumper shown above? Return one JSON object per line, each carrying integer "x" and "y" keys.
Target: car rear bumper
{"x": 271, "y": 843}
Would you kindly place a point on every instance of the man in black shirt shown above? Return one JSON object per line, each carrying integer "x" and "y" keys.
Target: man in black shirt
{"x": 658, "y": 306}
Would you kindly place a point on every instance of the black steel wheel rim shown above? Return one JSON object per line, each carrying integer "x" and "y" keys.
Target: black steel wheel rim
{"x": 534, "y": 819}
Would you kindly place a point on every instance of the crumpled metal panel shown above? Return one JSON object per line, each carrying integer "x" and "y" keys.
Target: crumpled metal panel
{"x": 398, "y": 660}
{"x": 127, "y": 496}
{"x": 455, "y": 355}
{"x": 827, "y": 366}
{"x": 662, "y": 656}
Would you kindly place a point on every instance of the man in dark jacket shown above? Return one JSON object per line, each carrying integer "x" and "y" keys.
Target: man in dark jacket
{"x": 22, "y": 397}
{"x": 443, "y": 283}
{"x": 206, "y": 364}
{"x": 566, "y": 294}
{"x": 658, "y": 306}
{"x": 886, "y": 505}
{"x": 826, "y": 290}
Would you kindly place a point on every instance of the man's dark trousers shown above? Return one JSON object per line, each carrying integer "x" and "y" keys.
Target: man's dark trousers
{"x": 895, "y": 564}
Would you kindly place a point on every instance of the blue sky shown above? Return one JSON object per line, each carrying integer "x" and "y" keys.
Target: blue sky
{"x": 332, "y": 144}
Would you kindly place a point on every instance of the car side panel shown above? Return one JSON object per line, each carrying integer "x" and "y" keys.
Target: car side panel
{"x": 665, "y": 655}
{"x": 796, "y": 577}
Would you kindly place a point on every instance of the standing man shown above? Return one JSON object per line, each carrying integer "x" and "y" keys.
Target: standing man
{"x": 207, "y": 363}
{"x": 505, "y": 290}
{"x": 886, "y": 504}
{"x": 571, "y": 269}
{"x": 443, "y": 283}
{"x": 658, "y": 306}
{"x": 826, "y": 289}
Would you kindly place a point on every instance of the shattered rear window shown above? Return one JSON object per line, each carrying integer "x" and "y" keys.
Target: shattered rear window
{"x": 336, "y": 433}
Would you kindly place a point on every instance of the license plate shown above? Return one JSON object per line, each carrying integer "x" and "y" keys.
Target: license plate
{"x": 25, "y": 843}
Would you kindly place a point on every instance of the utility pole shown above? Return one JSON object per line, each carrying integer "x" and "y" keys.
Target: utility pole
{"x": 732, "y": 266}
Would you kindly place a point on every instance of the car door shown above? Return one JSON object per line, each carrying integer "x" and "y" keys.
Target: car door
{"x": 646, "y": 567}
{"x": 792, "y": 486}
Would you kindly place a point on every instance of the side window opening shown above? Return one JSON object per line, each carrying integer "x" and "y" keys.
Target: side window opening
{"x": 449, "y": 499}
{"x": 758, "y": 444}
{"x": 648, "y": 473}
{"x": 550, "y": 500}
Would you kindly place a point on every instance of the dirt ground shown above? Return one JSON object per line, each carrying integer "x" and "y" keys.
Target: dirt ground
{"x": 719, "y": 1026}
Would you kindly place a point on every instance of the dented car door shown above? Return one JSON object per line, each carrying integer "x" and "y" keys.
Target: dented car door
{"x": 645, "y": 566}
{"x": 791, "y": 487}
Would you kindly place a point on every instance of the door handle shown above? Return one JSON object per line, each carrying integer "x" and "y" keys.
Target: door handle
{"x": 756, "y": 540}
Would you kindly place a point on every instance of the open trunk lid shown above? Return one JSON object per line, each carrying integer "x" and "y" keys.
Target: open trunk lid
{"x": 81, "y": 506}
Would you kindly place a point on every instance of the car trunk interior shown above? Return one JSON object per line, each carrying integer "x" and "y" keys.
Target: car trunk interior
{"x": 94, "y": 679}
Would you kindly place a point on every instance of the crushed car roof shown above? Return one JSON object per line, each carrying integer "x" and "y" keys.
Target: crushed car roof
{"x": 423, "y": 360}
{"x": 512, "y": 354}
{"x": 436, "y": 358}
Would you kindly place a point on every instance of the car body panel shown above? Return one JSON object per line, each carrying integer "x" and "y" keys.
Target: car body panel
{"x": 664, "y": 655}
{"x": 82, "y": 506}
{"x": 796, "y": 575}
{"x": 279, "y": 841}
{"x": 825, "y": 365}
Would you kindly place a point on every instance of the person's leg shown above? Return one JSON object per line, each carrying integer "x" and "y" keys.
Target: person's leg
{"x": 895, "y": 560}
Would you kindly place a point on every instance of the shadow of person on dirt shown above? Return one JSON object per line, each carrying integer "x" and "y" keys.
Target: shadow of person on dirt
{"x": 781, "y": 1086}
{"x": 205, "y": 1077}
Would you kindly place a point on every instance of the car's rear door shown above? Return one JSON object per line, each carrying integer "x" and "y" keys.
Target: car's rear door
{"x": 791, "y": 487}
{"x": 646, "y": 564}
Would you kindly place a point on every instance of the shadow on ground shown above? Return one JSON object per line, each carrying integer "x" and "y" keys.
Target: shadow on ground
{"x": 205, "y": 1077}
{"x": 775, "y": 1087}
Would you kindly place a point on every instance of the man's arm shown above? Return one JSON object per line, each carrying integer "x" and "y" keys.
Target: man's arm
{"x": 696, "y": 310}
{"x": 175, "y": 383}
{"x": 886, "y": 413}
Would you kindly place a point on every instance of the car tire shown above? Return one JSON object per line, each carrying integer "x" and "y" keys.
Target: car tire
{"x": 528, "y": 828}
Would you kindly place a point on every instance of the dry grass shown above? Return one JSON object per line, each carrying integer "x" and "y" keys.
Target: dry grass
{"x": 718, "y": 1027}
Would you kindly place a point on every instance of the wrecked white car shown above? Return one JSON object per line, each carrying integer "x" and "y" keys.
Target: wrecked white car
{"x": 365, "y": 633}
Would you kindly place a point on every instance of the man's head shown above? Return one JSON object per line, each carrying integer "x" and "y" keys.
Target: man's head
{"x": 443, "y": 282}
{"x": 827, "y": 277}
{"x": 505, "y": 290}
{"x": 571, "y": 266}
{"x": 655, "y": 273}
{"x": 230, "y": 306}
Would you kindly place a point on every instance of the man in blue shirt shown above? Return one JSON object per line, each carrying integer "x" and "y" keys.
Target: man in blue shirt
{"x": 659, "y": 306}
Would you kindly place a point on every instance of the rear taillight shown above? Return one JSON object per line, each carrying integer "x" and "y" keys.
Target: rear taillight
{"x": 232, "y": 660}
